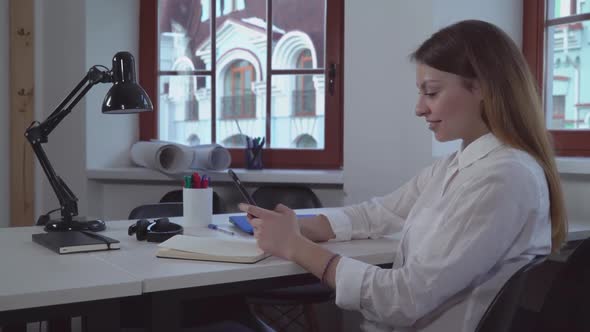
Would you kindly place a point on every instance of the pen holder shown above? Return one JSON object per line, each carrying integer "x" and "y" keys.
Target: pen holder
{"x": 254, "y": 158}
{"x": 197, "y": 206}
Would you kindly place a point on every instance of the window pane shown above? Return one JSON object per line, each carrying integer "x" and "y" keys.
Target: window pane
{"x": 183, "y": 28}
{"x": 297, "y": 26}
{"x": 567, "y": 95}
{"x": 241, "y": 32}
{"x": 241, "y": 104}
{"x": 185, "y": 109}
{"x": 562, "y": 8}
{"x": 297, "y": 112}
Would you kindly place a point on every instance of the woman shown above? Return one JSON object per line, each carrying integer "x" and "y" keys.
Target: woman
{"x": 470, "y": 220}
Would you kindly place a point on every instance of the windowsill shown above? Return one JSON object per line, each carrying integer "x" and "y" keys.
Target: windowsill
{"x": 140, "y": 174}
{"x": 573, "y": 165}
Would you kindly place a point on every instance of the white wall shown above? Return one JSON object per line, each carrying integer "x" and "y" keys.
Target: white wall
{"x": 61, "y": 59}
{"x": 380, "y": 90}
{"x": 384, "y": 143}
{"x": 102, "y": 42}
{"x": 4, "y": 115}
{"x": 73, "y": 36}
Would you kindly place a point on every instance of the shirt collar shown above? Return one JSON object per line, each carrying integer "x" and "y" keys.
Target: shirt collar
{"x": 478, "y": 149}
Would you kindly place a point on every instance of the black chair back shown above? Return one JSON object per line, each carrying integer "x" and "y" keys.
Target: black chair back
{"x": 157, "y": 210}
{"x": 500, "y": 315}
{"x": 175, "y": 196}
{"x": 545, "y": 295}
{"x": 568, "y": 300}
{"x": 295, "y": 197}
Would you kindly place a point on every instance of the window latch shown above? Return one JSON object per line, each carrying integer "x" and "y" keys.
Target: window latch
{"x": 331, "y": 78}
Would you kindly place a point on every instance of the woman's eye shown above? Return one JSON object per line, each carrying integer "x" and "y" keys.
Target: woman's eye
{"x": 430, "y": 94}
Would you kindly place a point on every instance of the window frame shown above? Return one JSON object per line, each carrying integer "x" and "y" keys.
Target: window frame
{"x": 331, "y": 157}
{"x": 567, "y": 142}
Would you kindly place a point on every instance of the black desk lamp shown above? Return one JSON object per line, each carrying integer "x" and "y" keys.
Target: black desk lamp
{"x": 126, "y": 96}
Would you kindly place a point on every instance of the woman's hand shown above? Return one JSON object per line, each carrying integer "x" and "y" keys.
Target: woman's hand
{"x": 277, "y": 232}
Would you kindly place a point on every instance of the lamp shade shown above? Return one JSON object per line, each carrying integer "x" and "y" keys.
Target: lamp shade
{"x": 125, "y": 96}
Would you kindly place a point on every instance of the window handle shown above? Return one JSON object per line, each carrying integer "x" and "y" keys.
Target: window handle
{"x": 331, "y": 78}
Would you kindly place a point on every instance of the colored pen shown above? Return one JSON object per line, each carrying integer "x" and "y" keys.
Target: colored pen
{"x": 196, "y": 180}
{"x": 188, "y": 181}
{"x": 216, "y": 228}
{"x": 205, "y": 179}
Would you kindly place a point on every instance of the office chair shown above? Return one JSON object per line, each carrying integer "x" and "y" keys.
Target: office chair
{"x": 502, "y": 315}
{"x": 544, "y": 295}
{"x": 289, "y": 304}
{"x": 157, "y": 210}
{"x": 568, "y": 300}
{"x": 175, "y": 196}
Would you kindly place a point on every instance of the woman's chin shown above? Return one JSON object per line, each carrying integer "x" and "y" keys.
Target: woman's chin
{"x": 442, "y": 138}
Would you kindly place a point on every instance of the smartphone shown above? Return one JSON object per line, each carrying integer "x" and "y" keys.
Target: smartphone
{"x": 241, "y": 188}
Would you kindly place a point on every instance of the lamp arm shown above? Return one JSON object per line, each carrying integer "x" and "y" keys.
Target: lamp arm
{"x": 93, "y": 77}
{"x": 38, "y": 133}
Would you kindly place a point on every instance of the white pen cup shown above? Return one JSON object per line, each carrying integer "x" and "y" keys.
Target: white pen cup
{"x": 197, "y": 206}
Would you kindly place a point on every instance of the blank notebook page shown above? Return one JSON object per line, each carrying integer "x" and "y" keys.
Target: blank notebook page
{"x": 213, "y": 246}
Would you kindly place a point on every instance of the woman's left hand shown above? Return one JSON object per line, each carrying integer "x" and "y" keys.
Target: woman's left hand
{"x": 277, "y": 232}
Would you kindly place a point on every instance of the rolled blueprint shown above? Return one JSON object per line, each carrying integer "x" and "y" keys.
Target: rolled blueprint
{"x": 210, "y": 156}
{"x": 172, "y": 158}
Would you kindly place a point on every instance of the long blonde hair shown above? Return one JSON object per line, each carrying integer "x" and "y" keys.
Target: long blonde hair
{"x": 511, "y": 104}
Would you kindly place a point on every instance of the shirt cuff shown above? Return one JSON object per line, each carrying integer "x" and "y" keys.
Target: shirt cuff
{"x": 340, "y": 223}
{"x": 349, "y": 280}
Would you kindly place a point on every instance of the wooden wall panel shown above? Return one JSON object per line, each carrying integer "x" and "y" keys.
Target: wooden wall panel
{"x": 21, "y": 112}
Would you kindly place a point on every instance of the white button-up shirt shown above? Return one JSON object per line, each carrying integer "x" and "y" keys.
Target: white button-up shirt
{"x": 467, "y": 223}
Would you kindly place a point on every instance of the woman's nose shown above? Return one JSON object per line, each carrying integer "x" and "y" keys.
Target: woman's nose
{"x": 421, "y": 109}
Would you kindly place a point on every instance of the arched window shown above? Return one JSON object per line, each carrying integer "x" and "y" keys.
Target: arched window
{"x": 305, "y": 141}
{"x": 304, "y": 93}
{"x": 193, "y": 140}
{"x": 182, "y": 91}
{"x": 237, "y": 140}
{"x": 238, "y": 101}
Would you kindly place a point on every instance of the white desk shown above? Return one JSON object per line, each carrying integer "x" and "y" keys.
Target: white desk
{"x": 33, "y": 276}
{"x": 36, "y": 283}
{"x": 160, "y": 274}
{"x": 169, "y": 282}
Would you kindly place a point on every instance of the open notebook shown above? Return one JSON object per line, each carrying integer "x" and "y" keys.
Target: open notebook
{"x": 211, "y": 249}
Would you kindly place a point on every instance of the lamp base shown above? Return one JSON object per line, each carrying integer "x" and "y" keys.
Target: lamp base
{"x": 77, "y": 224}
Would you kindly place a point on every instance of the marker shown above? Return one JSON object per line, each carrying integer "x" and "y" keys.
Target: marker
{"x": 216, "y": 228}
{"x": 196, "y": 180}
{"x": 188, "y": 183}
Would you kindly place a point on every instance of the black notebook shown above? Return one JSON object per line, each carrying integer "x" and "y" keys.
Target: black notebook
{"x": 75, "y": 241}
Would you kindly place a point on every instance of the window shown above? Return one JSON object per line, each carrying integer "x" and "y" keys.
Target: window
{"x": 257, "y": 68}
{"x": 556, "y": 42}
{"x": 304, "y": 92}
{"x": 238, "y": 100}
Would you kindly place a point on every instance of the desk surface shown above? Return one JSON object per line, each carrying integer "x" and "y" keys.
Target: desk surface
{"x": 158, "y": 274}
{"x": 34, "y": 276}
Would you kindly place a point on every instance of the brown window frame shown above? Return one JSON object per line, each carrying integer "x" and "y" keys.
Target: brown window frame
{"x": 567, "y": 142}
{"x": 330, "y": 157}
